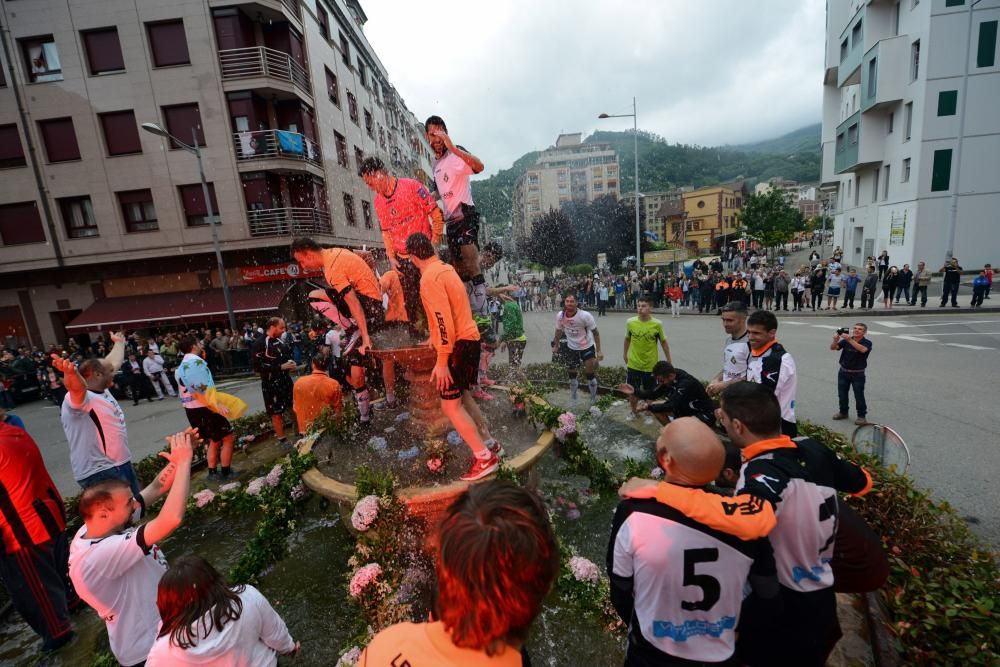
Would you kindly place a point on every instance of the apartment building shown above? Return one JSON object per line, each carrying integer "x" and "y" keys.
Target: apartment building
{"x": 572, "y": 170}
{"x": 710, "y": 218}
{"x": 652, "y": 202}
{"x": 104, "y": 224}
{"x": 911, "y": 132}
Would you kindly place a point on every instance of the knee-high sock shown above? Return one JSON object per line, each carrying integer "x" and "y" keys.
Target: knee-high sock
{"x": 573, "y": 385}
{"x": 592, "y": 385}
{"x": 477, "y": 295}
{"x": 364, "y": 404}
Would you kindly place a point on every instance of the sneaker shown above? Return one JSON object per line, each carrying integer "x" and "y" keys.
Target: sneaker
{"x": 214, "y": 476}
{"x": 861, "y": 421}
{"x": 481, "y": 468}
{"x": 482, "y": 395}
{"x": 840, "y": 415}
{"x": 497, "y": 450}
{"x": 227, "y": 476}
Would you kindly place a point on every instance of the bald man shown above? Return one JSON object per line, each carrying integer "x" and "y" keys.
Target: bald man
{"x": 677, "y": 583}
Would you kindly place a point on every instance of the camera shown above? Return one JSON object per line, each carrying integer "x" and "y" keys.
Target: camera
{"x": 843, "y": 330}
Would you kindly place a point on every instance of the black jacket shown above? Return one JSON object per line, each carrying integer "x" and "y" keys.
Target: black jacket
{"x": 686, "y": 397}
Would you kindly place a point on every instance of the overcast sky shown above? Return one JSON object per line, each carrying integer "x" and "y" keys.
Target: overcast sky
{"x": 509, "y": 76}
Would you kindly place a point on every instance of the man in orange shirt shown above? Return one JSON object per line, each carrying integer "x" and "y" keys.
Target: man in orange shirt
{"x": 354, "y": 300}
{"x": 455, "y": 336}
{"x": 314, "y": 392}
{"x": 497, "y": 560}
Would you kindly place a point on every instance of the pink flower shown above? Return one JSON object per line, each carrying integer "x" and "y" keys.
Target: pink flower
{"x": 349, "y": 659}
{"x": 256, "y": 486}
{"x": 365, "y": 513}
{"x": 203, "y": 497}
{"x": 567, "y": 421}
{"x": 229, "y": 487}
{"x": 364, "y": 576}
{"x": 435, "y": 465}
{"x": 299, "y": 491}
{"x": 656, "y": 473}
{"x": 584, "y": 570}
{"x": 274, "y": 477}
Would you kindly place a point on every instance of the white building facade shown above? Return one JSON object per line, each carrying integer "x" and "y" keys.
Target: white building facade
{"x": 911, "y": 129}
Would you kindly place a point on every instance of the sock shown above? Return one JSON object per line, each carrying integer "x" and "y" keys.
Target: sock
{"x": 573, "y": 384}
{"x": 364, "y": 406}
{"x": 477, "y": 296}
{"x": 484, "y": 455}
{"x": 226, "y": 470}
{"x": 592, "y": 384}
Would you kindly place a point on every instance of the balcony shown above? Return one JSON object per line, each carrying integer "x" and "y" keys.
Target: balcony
{"x": 279, "y": 150}
{"x": 289, "y": 222}
{"x": 277, "y": 70}
{"x": 857, "y": 145}
{"x": 884, "y": 73}
{"x": 270, "y": 10}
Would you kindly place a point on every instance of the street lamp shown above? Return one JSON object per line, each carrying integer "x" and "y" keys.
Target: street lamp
{"x": 635, "y": 129}
{"x": 153, "y": 128}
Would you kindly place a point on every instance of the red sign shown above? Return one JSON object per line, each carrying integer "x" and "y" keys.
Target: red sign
{"x": 270, "y": 272}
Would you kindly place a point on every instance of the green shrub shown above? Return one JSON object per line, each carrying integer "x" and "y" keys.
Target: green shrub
{"x": 579, "y": 269}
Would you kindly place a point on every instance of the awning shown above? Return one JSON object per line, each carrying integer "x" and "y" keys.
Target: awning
{"x": 176, "y": 308}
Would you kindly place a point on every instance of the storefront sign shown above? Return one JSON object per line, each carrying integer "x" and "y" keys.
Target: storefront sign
{"x": 897, "y": 229}
{"x": 271, "y": 272}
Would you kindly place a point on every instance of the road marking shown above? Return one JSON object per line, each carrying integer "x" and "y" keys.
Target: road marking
{"x": 876, "y": 333}
{"x": 894, "y": 325}
{"x": 791, "y": 322}
{"x": 916, "y": 339}
{"x": 897, "y": 325}
{"x": 968, "y": 347}
{"x": 963, "y": 333}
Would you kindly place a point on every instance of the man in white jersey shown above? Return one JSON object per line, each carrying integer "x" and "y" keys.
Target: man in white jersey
{"x": 453, "y": 166}
{"x": 771, "y": 365}
{"x": 584, "y": 342}
{"x": 677, "y": 583}
{"x": 93, "y": 420}
{"x": 735, "y": 350}
{"x": 116, "y": 567}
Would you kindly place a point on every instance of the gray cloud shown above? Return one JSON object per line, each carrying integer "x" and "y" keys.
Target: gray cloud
{"x": 509, "y": 76}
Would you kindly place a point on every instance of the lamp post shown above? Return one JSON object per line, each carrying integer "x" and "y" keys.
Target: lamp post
{"x": 635, "y": 135}
{"x": 153, "y": 128}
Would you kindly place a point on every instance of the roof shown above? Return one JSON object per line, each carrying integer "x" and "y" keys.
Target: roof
{"x": 671, "y": 208}
{"x": 176, "y": 307}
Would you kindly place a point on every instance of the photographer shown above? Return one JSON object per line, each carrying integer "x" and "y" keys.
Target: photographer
{"x": 854, "y": 349}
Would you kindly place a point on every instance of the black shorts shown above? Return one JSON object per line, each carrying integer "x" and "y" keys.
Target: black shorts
{"x": 463, "y": 232}
{"x": 640, "y": 379}
{"x": 576, "y": 358}
{"x": 464, "y": 366}
{"x": 211, "y": 425}
{"x": 277, "y": 392}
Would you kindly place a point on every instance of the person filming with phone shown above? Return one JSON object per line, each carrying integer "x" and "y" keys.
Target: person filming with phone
{"x": 854, "y": 350}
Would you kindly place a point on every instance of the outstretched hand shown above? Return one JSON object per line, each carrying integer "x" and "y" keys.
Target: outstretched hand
{"x": 118, "y": 337}
{"x": 181, "y": 447}
{"x": 637, "y": 487}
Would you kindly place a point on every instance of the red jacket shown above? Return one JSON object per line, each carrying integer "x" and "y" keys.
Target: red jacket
{"x": 31, "y": 509}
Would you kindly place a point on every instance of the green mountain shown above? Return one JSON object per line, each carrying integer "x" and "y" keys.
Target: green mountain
{"x": 663, "y": 165}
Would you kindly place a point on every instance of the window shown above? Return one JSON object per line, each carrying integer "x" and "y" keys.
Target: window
{"x": 181, "y": 120}
{"x": 121, "y": 134}
{"x": 323, "y": 19}
{"x": 59, "y": 139}
{"x": 41, "y": 59}
{"x": 167, "y": 43}
{"x": 381, "y": 136}
{"x": 362, "y": 72}
{"x": 947, "y": 102}
{"x": 986, "y": 52}
{"x": 349, "y": 210}
{"x": 193, "y": 203}
{"x": 843, "y": 50}
{"x": 954, "y": 3}
{"x": 915, "y": 60}
{"x": 20, "y": 224}
{"x": 872, "y": 77}
{"x": 331, "y": 87}
{"x": 941, "y": 170}
{"x": 341, "y": 149}
{"x": 885, "y": 193}
{"x": 906, "y": 171}
{"x": 369, "y": 124}
{"x": 352, "y": 107}
{"x": 895, "y": 19}
{"x": 852, "y": 134}
{"x": 856, "y": 35}
{"x": 104, "y": 52}
{"x": 78, "y": 216}
{"x": 907, "y": 120}
{"x": 345, "y": 50}
{"x": 11, "y": 151}
{"x": 366, "y": 209}
{"x": 138, "y": 211}
{"x": 857, "y": 192}
{"x": 841, "y": 145}
{"x": 890, "y": 123}
{"x": 875, "y": 175}
{"x": 359, "y": 157}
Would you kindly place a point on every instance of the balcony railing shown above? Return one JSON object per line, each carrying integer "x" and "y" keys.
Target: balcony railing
{"x": 276, "y": 144}
{"x": 257, "y": 61}
{"x": 289, "y": 222}
{"x": 293, "y": 7}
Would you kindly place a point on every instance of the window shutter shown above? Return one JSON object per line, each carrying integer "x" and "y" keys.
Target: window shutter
{"x": 104, "y": 51}
{"x": 168, "y": 43}
{"x": 11, "y": 151}
{"x": 20, "y": 224}
{"x": 121, "y": 134}
{"x": 59, "y": 139}
{"x": 941, "y": 171}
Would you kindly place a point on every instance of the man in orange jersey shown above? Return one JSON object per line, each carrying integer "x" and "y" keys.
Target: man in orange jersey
{"x": 455, "y": 336}
{"x": 354, "y": 300}
{"x": 314, "y": 392}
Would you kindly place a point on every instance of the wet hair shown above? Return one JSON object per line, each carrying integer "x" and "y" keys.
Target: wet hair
{"x": 192, "y": 595}
{"x": 737, "y": 307}
{"x": 273, "y": 322}
{"x": 435, "y": 120}
{"x": 187, "y": 344}
{"x": 319, "y": 361}
{"x": 420, "y": 246}
{"x": 644, "y": 299}
{"x": 497, "y": 560}
{"x": 100, "y": 496}
{"x": 90, "y": 366}
{"x": 305, "y": 244}
{"x": 764, "y": 318}
{"x": 371, "y": 165}
{"x": 753, "y": 404}
{"x": 663, "y": 369}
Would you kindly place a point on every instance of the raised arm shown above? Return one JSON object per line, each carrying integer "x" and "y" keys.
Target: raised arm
{"x": 172, "y": 514}
{"x": 72, "y": 380}
{"x": 117, "y": 354}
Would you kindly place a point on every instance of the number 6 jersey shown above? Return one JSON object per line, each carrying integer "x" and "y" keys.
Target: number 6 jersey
{"x": 679, "y": 584}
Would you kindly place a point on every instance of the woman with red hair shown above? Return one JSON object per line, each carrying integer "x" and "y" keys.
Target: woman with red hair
{"x": 206, "y": 621}
{"x": 497, "y": 559}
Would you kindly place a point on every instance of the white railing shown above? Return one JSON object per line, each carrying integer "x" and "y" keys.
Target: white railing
{"x": 262, "y": 61}
{"x": 293, "y": 7}
{"x": 276, "y": 144}
{"x": 289, "y": 222}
